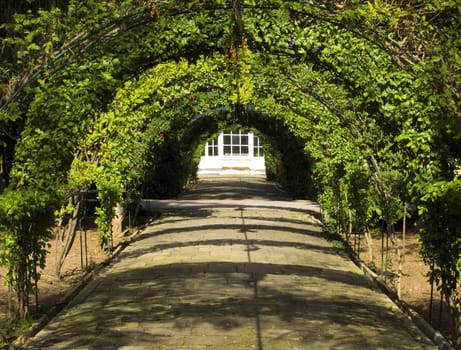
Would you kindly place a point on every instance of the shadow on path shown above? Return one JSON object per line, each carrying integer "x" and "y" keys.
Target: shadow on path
{"x": 225, "y": 297}
{"x": 231, "y": 279}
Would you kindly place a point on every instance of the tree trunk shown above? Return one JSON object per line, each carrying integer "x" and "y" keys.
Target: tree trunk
{"x": 69, "y": 233}
{"x": 396, "y": 247}
{"x": 349, "y": 226}
{"x": 455, "y": 306}
{"x": 22, "y": 289}
{"x": 117, "y": 221}
{"x": 404, "y": 231}
{"x": 369, "y": 245}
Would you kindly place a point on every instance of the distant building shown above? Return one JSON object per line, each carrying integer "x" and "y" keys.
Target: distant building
{"x": 235, "y": 152}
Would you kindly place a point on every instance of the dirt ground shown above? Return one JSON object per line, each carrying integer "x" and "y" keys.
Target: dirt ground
{"x": 84, "y": 256}
{"x": 415, "y": 290}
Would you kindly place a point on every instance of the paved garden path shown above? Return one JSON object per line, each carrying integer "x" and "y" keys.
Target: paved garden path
{"x": 232, "y": 265}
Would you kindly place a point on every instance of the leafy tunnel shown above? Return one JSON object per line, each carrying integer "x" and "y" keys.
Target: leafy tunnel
{"x": 358, "y": 102}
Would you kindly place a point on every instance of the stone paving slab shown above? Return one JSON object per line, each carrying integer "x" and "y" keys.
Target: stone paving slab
{"x": 231, "y": 278}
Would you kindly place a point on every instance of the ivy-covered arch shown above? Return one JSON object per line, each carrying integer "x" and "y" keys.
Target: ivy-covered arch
{"x": 368, "y": 102}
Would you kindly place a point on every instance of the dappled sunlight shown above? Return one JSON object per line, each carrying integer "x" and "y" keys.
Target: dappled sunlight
{"x": 232, "y": 280}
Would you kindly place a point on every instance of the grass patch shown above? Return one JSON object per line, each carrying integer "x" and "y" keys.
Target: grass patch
{"x": 339, "y": 245}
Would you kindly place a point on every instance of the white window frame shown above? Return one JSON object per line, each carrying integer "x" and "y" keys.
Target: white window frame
{"x": 233, "y": 146}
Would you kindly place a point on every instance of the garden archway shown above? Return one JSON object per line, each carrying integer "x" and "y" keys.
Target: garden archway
{"x": 371, "y": 118}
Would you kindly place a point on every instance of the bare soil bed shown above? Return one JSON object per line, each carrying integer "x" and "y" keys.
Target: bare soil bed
{"x": 84, "y": 256}
{"x": 415, "y": 290}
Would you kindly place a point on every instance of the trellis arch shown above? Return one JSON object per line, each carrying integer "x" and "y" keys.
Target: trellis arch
{"x": 301, "y": 71}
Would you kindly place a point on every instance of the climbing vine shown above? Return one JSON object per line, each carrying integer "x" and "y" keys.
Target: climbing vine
{"x": 358, "y": 101}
